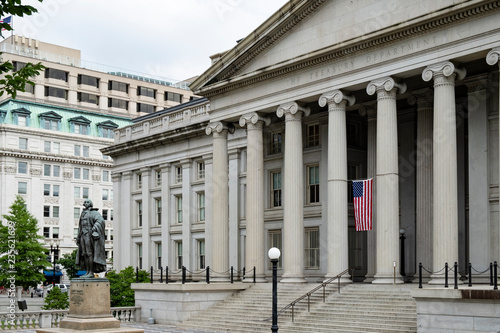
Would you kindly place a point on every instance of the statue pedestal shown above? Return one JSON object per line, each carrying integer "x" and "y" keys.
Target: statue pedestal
{"x": 89, "y": 309}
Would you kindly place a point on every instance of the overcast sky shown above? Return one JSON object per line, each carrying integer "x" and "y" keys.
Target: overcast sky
{"x": 168, "y": 38}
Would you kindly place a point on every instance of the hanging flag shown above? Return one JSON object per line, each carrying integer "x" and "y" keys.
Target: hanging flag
{"x": 362, "y": 194}
{"x": 7, "y": 20}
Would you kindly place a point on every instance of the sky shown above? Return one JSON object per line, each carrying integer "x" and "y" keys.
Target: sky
{"x": 167, "y": 38}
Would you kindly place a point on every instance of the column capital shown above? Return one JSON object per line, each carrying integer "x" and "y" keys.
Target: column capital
{"x": 445, "y": 68}
{"x": 145, "y": 171}
{"x": 186, "y": 163}
{"x": 423, "y": 98}
{"x": 492, "y": 56}
{"x": 233, "y": 153}
{"x": 335, "y": 96}
{"x": 116, "y": 176}
{"x": 292, "y": 108}
{"x": 477, "y": 82}
{"x": 165, "y": 166}
{"x": 219, "y": 127}
{"x": 254, "y": 118}
{"x": 127, "y": 175}
{"x": 369, "y": 110}
{"x": 385, "y": 84}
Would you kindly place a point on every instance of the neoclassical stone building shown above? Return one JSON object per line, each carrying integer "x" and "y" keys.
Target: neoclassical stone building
{"x": 321, "y": 93}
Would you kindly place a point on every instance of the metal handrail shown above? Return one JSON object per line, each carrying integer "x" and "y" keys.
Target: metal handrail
{"x": 308, "y": 294}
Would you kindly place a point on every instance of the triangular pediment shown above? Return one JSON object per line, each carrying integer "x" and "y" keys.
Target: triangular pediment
{"x": 50, "y": 114}
{"x": 80, "y": 119}
{"x": 107, "y": 124}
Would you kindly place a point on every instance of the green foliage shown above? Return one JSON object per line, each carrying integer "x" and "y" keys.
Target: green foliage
{"x": 68, "y": 261}
{"x": 25, "y": 257}
{"x": 119, "y": 285}
{"x": 12, "y": 82}
{"x": 56, "y": 300}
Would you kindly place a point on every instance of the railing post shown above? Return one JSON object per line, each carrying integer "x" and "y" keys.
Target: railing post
{"x": 183, "y": 274}
{"x": 420, "y": 275}
{"x": 446, "y": 275}
{"x": 491, "y": 274}
{"x": 338, "y": 276}
{"x": 166, "y": 275}
{"x": 161, "y": 274}
{"x": 208, "y": 274}
{"x": 495, "y": 279}
{"x": 470, "y": 274}
{"x": 232, "y": 274}
{"x": 292, "y": 313}
{"x": 308, "y": 302}
{"x": 151, "y": 274}
{"x": 324, "y": 292}
{"x": 455, "y": 273}
{"x": 136, "y": 274}
{"x": 243, "y": 277}
{"x": 253, "y": 274}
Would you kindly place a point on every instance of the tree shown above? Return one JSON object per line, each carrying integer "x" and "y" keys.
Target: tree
{"x": 119, "y": 286}
{"x": 24, "y": 257}
{"x": 14, "y": 81}
{"x": 68, "y": 261}
{"x": 56, "y": 300}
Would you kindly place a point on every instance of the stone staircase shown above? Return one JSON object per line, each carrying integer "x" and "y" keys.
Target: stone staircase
{"x": 357, "y": 308}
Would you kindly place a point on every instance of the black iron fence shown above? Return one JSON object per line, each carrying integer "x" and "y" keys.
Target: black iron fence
{"x": 166, "y": 275}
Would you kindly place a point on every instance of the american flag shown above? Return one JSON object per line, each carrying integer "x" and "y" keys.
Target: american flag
{"x": 7, "y": 20}
{"x": 362, "y": 193}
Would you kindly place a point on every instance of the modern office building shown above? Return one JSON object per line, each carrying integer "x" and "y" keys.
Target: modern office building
{"x": 322, "y": 93}
{"x": 51, "y": 135}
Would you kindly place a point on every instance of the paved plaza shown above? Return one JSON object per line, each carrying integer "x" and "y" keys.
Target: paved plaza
{"x": 147, "y": 329}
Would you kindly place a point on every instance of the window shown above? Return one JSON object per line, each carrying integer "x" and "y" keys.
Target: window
{"x": 47, "y": 146}
{"x": 201, "y": 254}
{"x": 105, "y": 194}
{"x": 52, "y": 73}
{"x": 139, "y": 213}
{"x": 139, "y": 181}
{"x": 22, "y": 187}
{"x": 78, "y": 149}
{"x": 75, "y": 233}
{"x": 276, "y": 189}
{"x": 158, "y": 211}
{"x": 56, "y": 92}
{"x": 86, "y": 150}
{"x": 149, "y": 92}
{"x": 312, "y": 248}
{"x": 117, "y": 103}
{"x": 22, "y": 120}
{"x": 47, "y": 170}
{"x": 88, "y": 98}
{"x": 55, "y": 212}
{"x": 178, "y": 208}
{"x": 81, "y": 192}
{"x": 274, "y": 238}
{"x": 77, "y": 173}
{"x": 46, "y": 189}
{"x": 55, "y": 190}
{"x": 201, "y": 206}
{"x": 106, "y": 129}
{"x": 148, "y": 108}
{"x": 158, "y": 255}
{"x": 88, "y": 80}
{"x": 170, "y": 96}
{"x": 178, "y": 174}
{"x": 105, "y": 214}
{"x": 80, "y": 129}
{"x": 56, "y": 147}
{"x": 46, "y": 211}
{"x": 23, "y": 143}
{"x": 158, "y": 178}
{"x": 22, "y": 167}
{"x": 276, "y": 143}
{"x": 111, "y": 215}
{"x": 86, "y": 174}
{"x": 118, "y": 86}
{"x": 111, "y": 233}
{"x": 105, "y": 176}
{"x": 85, "y": 192}
{"x": 139, "y": 255}
{"x": 21, "y": 117}
{"x": 201, "y": 170}
{"x": 46, "y": 232}
{"x": 50, "y": 121}
{"x": 79, "y": 125}
{"x": 178, "y": 254}
{"x": 76, "y": 213}
{"x": 313, "y": 135}
{"x": 56, "y": 171}
{"x": 313, "y": 184}
{"x": 18, "y": 65}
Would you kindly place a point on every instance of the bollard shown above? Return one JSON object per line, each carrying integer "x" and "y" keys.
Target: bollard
{"x": 455, "y": 272}
{"x": 470, "y": 275}
{"x": 243, "y": 274}
{"x": 137, "y": 274}
{"x": 183, "y": 275}
{"x": 208, "y": 274}
{"x": 420, "y": 275}
{"x": 161, "y": 274}
{"x": 232, "y": 276}
{"x": 253, "y": 274}
{"x": 151, "y": 274}
{"x": 491, "y": 274}
{"x": 446, "y": 275}
{"x": 495, "y": 279}
{"x": 166, "y": 275}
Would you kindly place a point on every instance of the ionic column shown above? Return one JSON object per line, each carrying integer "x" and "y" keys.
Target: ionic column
{"x": 424, "y": 99}
{"x": 338, "y": 247}
{"x": 122, "y": 230}
{"x": 445, "y": 195}
{"x": 387, "y": 179}
{"x": 220, "y": 202}
{"x": 293, "y": 194}
{"x": 492, "y": 59}
{"x": 146, "y": 217}
{"x": 255, "y": 253}
{"x": 371, "y": 171}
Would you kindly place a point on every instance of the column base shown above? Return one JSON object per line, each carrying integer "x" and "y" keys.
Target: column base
{"x": 220, "y": 279}
{"x": 387, "y": 279}
{"x": 293, "y": 279}
{"x": 344, "y": 279}
{"x": 369, "y": 278}
{"x": 439, "y": 280}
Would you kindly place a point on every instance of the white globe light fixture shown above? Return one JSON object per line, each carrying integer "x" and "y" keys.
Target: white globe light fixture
{"x": 274, "y": 253}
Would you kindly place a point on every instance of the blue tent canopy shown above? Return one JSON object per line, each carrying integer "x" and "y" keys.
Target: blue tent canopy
{"x": 51, "y": 273}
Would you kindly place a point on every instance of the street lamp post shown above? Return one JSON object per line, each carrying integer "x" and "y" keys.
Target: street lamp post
{"x": 402, "y": 238}
{"x": 55, "y": 251}
{"x": 274, "y": 254}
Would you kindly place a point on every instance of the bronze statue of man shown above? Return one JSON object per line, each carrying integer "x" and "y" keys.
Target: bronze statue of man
{"x": 91, "y": 255}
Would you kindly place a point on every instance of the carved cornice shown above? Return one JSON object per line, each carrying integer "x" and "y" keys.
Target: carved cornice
{"x": 385, "y": 84}
{"x": 254, "y": 118}
{"x": 335, "y": 96}
{"x": 55, "y": 158}
{"x": 492, "y": 56}
{"x": 445, "y": 68}
{"x": 292, "y": 108}
{"x": 360, "y": 44}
